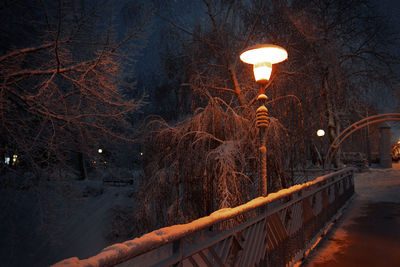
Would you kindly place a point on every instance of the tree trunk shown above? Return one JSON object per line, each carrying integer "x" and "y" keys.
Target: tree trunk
{"x": 238, "y": 91}
{"x": 331, "y": 117}
{"x": 82, "y": 167}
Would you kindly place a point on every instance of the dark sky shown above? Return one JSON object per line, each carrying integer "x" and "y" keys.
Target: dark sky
{"x": 392, "y": 9}
{"x": 186, "y": 13}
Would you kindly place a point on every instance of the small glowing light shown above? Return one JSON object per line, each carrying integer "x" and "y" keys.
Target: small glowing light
{"x": 100, "y": 150}
{"x": 15, "y": 157}
{"x": 262, "y": 57}
{"x": 7, "y": 160}
{"x": 141, "y": 153}
{"x": 94, "y": 162}
{"x": 320, "y": 132}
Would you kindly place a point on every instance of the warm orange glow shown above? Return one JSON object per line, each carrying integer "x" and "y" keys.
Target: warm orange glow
{"x": 264, "y": 53}
{"x": 14, "y": 160}
{"x": 262, "y": 71}
{"x": 320, "y": 132}
{"x": 262, "y": 57}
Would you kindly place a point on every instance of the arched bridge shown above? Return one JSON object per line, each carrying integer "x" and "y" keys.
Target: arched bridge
{"x": 355, "y": 127}
{"x": 277, "y": 230}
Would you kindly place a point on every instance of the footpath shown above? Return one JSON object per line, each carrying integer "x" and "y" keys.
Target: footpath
{"x": 368, "y": 234}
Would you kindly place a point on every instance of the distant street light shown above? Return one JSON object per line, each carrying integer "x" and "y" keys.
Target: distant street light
{"x": 262, "y": 57}
{"x": 320, "y": 132}
{"x": 14, "y": 160}
{"x": 100, "y": 150}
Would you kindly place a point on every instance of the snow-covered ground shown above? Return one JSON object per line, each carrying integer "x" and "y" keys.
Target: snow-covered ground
{"x": 44, "y": 223}
{"x": 379, "y": 184}
{"x": 369, "y": 232}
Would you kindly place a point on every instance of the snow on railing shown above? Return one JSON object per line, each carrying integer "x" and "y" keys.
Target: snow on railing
{"x": 275, "y": 230}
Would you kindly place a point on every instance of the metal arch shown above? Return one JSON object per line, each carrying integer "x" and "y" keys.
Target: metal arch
{"x": 355, "y": 127}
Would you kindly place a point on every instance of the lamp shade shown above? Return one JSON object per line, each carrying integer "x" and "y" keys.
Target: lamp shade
{"x": 262, "y": 57}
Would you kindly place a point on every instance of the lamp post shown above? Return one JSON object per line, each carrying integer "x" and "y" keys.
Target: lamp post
{"x": 262, "y": 57}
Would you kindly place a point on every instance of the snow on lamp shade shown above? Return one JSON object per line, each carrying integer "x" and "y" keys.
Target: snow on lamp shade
{"x": 262, "y": 57}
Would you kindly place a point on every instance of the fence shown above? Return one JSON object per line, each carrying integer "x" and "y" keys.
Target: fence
{"x": 276, "y": 230}
{"x": 306, "y": 175}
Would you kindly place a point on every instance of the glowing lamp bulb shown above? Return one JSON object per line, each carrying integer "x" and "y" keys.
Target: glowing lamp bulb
{"x": 100, "y": 150}
{"x": 262, "y": 57}
{"x": 262, "y": 71}
{"x": 320, "y": 132}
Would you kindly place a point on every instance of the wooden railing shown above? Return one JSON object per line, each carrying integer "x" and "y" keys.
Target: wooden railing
{"x": 277, "y": 230}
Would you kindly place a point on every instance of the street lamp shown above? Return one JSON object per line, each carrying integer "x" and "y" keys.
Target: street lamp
{"x": 262, "y": 57}
{"x": 320, "y": 132}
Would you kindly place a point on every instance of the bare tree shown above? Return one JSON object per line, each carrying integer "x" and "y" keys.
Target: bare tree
{"x": 342, "y": 50}
{"x": 209, "y": 161}
{"x": 60, "y": 86}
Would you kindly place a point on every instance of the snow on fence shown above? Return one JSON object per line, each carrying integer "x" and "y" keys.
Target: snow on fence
{"x": 276, "y": 230}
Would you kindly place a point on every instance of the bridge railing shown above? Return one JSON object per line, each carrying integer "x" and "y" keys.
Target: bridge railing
{"x": 276, "y": 230}
{"x": 300, "y": 176}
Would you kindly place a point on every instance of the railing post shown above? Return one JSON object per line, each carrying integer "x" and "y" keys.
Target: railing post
{"x": 177, "y": 247}
{"x": 266, "y": 234}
